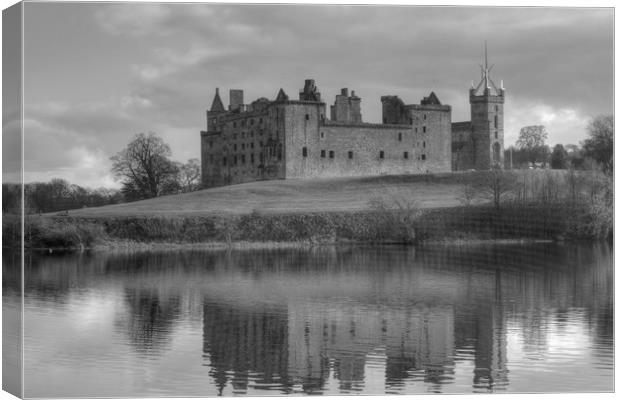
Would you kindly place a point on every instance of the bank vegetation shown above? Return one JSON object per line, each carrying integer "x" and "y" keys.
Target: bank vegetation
{"x": 495, "y": 205}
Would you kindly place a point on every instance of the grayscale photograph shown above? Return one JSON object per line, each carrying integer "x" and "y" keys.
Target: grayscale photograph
{"x": 227, "y": 199}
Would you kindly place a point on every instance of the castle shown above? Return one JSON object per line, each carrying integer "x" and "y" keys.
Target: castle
{"x": 288, "y": 139}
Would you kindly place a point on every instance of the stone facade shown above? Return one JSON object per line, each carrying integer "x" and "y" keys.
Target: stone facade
{"x": 294, "y": 139}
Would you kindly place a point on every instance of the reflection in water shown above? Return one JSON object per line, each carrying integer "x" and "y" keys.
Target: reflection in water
{"x": 347, "y": 320}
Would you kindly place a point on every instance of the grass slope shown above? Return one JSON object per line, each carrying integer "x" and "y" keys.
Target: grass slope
{"x": 292, "y": 196}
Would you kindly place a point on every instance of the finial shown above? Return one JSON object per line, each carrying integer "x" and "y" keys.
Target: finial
{"x": 486, "y": 63}
{"x": 501, "y": 84}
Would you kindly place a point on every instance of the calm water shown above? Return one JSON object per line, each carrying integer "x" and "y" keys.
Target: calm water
{"x": 501, "y": 318}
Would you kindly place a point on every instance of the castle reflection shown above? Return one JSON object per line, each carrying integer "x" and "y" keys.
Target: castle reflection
{"x": 443, "y": 308}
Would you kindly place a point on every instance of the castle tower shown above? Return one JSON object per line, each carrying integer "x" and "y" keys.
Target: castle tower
{"x": 487, "y": 120}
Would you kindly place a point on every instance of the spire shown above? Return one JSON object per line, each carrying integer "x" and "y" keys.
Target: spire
{"x": 217, "y": 105}
{"x": 485, "y": 73}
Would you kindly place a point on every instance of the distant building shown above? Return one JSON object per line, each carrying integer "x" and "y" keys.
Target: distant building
{"x": 287, "y": 139}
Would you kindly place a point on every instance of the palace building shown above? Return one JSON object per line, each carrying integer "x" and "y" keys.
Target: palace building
{"x": 296, "y": 139}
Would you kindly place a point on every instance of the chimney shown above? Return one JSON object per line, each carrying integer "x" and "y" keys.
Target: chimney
{"x": 236, "y": 99}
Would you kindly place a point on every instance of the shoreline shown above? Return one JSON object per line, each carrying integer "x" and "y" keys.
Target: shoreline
{"x": 133, "y": 246}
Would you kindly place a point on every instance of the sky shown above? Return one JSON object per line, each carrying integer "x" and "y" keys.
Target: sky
{"x": 96, "y": 74}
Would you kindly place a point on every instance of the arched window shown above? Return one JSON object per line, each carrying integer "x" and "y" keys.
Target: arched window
{"x": 495, "y": 121}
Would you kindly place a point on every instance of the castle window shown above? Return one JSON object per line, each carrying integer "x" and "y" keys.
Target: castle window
{"x": 261, "y": 158}
{"x": 424, "y": 116}
{"x": 234, "y": 124}
{"x": 381, "y": 154}
{"x": 424, "y": 144}
{"x": 242, "y": 146}
{"x": 410, "y": 121}
{"x": 307, "y": 117}
{"x": 495, "y": 134}
{"x": 322, "y": 135}
{"x": 384, "y": 120}
{"x": 251, "y": 145}
{"x": 211, "y": 144}
{"x": 322, "y": 153}
{"x": 242, "y": 158}
{"x": 424, "y": 129}
{"x": 235, "y": 160}
{"x": 495, "y": 121}
{"x": 252, "y": 158}
{"x": 242, "y": 135}
{"x": 243, "y": 123}
{"x": 350, "y": 154}
{"x": 224, "y": 161}
{"x": 252, "y": 121}
{"x": 304, "y": 151}
{"x": 252, "y": 134}
{"x": 400, "y": 137}
{"x": 405, "y": 155}
{"x": 416, "y": 129}
{"x": 423, "y": 157}
{"x": 496, "y": 108}
{"x": 331, "y": 154}
{"x": 235, "y": 147}
{"x": 260, "y": 132}
{"x": 261, "y": 143}
{"x": 260, "y": 120}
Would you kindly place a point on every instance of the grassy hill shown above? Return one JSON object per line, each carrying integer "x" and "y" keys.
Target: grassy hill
{"x": 292, "y": 196}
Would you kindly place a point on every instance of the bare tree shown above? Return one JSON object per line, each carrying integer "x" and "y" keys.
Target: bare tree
{"x": 495, "y": 185}
{"x": 189, "y": 175}
{"x": 144, "y": 167}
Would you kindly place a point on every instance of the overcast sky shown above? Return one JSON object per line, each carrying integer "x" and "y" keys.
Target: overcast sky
{"x": 97, "y": 74}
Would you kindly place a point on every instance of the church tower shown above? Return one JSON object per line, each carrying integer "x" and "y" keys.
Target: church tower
{"x": 487, "y": 120}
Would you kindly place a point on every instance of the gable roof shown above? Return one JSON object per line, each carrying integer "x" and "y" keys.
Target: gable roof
{"x": 281, "y": 96}
{"x": 432, "y": 99}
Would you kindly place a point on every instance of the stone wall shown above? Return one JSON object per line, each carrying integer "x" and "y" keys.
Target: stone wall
{"x": 462, "y": 146}
{"x": 335, "y": 149}
{"x": 231, "y": 154}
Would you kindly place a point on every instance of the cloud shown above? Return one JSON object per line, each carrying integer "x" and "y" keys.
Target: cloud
{"x": 564, "y": 125}
{"x": 120, "y": 19}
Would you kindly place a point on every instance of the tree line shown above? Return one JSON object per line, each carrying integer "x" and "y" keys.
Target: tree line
{"x": 596, "y": 152}
{"x": 55, "y": 195}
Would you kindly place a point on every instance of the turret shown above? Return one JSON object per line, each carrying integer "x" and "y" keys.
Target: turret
{"x": 217, "y": 108}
